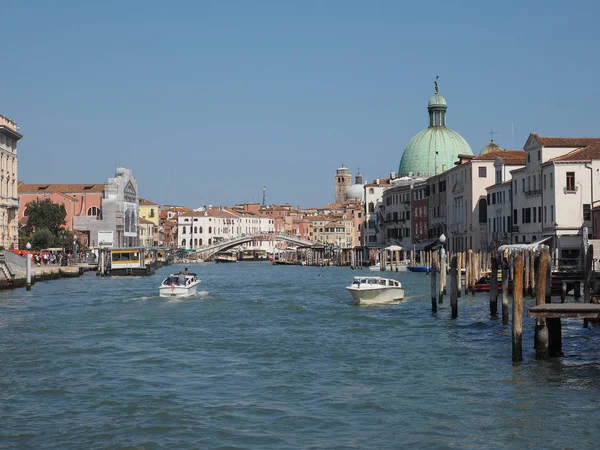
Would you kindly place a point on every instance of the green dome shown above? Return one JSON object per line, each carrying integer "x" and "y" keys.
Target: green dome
{"x": 436, "y": 147}
{"x": 420, "y": 156}
{"x": 437, "y": 100}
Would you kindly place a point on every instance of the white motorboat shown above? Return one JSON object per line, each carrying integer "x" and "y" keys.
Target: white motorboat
{"x": 179, "y": 285}
{"x": 372, "y": 290}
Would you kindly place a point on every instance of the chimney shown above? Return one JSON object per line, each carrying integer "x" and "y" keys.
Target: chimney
{"x": 377, "y": 181}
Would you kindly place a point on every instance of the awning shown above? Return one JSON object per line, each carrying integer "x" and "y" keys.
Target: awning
{"x": 536, "y": 247}
{"x": 427, "y": 245}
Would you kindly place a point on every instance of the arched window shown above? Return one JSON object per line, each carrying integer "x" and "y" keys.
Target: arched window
{"x": 200, "y": 232}
{"x": 183, "y": 242}
{"x": 195, "y": 229}
{"x": 93, "y": 211}
{"x": 371, "y": 190}
{"x": 182, "y": 230}
{"x": 195, "y": 242}
{"x": 209, "y": 241}
{"x": 209, "y": 230}
{"x": 371, "y": 207}
{"x": 200, "y": 241}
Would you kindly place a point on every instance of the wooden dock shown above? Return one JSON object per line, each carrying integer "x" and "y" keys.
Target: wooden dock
{"x": 565, "y": 311}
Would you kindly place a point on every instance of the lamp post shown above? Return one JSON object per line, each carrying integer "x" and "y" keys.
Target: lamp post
{"x": 28, "y": 282}
{"x": 442, "y": 239}
{"x": 74, "y": 249}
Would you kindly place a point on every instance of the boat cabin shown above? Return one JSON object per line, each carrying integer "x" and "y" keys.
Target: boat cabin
{"x": 375, "y": 281}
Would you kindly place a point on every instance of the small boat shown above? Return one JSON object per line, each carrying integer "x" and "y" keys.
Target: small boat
{"x": 484, "y": 284}
{"x": 223, "y": 258}
{"x": 372, "y": 290}
{"x": 179, "y": 285}
{"x": 421, "y": 269}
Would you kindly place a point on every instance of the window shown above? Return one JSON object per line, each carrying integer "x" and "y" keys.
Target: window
{"x": 498, "y": 177}
{"x": 523, "y": 184}
{"x": 515, "y": 221}
{"x": 483, "y": 172}
{"x": 544, "y": 181}
{"x": 587, "y": 215}
{"x": 528, "y": 157}
{"x": 93, "y": 211}
{"x": 493, "y": 198}
{"x": 371, "y": 207}
{"x": 552, "y": 213}
{"x": 539, "y": 155}
{"x": 570, "y": 181}
{"x": 551, "y": 180}
{"x": 183, "y": 230}
{"x": 534, "y": 215}
{"x": 482, "y": 210}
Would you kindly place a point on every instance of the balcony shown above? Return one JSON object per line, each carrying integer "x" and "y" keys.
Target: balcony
{"x": 570, "y": 189}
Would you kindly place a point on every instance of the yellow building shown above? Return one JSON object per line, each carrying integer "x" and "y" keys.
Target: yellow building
{"x": 9, "y": 198}
{"x": 150, "y": 211}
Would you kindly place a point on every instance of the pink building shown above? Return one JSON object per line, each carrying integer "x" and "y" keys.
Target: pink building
{"x": 78, "y": 199}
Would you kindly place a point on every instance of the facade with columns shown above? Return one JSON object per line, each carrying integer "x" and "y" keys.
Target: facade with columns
{"x": 9, "y": 198}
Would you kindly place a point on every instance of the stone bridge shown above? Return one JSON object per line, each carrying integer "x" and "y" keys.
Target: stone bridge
{"x": 210, "y": 250}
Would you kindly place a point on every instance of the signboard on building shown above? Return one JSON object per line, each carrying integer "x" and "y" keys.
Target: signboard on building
{"x": 105, "y": 238}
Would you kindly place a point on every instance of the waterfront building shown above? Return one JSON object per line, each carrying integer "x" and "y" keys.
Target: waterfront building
{"x": 435, "y": 149}
{"x": 398, "y": 220}
{"x": 467, "y": 206}
{"x": 106, "y": 213}
{"x": 373, "y": 233}
{"x": 168, "y": 224}
{"x": 500, "y": 196}
{"x": 207, "y": 226}
{"x": 151, "y": 211}
{"x": 9, "y": 198}
{"x": 437, "y": 206}
{"x": 147, "y": 232}
{"x": 117, "y": 221}
{"x": 553, "y": 194}
{"x": 419, "y": 213}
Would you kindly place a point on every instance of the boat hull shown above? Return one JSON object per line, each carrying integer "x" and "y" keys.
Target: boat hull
{"x": 373, "y": 295}
{"x": 179, "y": 291}
{"x": 421, "y": 269}
{"x": 390, "y": 268}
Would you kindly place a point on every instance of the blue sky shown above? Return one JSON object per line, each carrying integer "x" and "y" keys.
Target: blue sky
{"x": 207, "y": 101}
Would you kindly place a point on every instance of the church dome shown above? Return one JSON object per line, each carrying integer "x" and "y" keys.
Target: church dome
{"x": 436, "y": 147}
{"x": 491, "y": 147}
{"x": 355, "y": 192}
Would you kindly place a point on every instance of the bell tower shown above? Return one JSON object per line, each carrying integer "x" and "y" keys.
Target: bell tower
{"x": 343, "y": 179}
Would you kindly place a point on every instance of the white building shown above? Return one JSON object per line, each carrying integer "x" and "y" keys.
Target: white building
{"x": 197, "y": 229}
{"x": 564, "y": 190}
{"x": 553, "y": 193}
{"x": 374, "y": 217}
{"x": 467, "y": 196}
{"x": 9, "y": 198}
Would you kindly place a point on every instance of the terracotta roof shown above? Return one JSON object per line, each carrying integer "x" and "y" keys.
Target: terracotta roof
{"x": 144, "y": 202}
{"x": 581, "y": 154}
{"x": 383, "y": 181}
{"x": 146, "y": 221}
{"x": 510, "y": 157}
{"x": 565, "y": 142}
{"x": 60, "y": 188}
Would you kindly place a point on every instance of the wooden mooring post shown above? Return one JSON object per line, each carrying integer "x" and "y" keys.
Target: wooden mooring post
{"x": 459, "y": 259}
{"x": 454, "y": 291}
{"x": 517, "y": 310}
{"x": 505, "y": 273}
{"x": 494, "y": 287}
{"x": 541, "y": 339}
{"x": 433, "y": 288}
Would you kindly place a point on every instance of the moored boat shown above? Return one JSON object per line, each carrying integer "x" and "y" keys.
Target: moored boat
{"x": 373, "y": 290}
{"x": 420, "y": 268}
{"x": 179, "y": 285}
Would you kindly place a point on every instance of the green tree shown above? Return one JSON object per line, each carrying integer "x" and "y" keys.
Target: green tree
{"x": 45, "y": 214}
{"x": 42, "y": 238}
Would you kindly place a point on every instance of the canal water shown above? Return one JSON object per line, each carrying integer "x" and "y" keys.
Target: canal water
{"x": 276, "y": 357}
